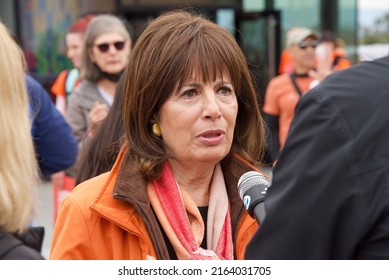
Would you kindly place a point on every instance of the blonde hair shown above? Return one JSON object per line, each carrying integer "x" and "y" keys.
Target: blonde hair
{"x": 18, "y": 164}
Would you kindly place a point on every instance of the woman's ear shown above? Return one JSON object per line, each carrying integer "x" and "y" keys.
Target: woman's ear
{"x": 155, "y": 118}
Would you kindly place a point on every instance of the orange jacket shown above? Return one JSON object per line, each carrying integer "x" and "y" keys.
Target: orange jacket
{"x": 340, "y": 60}
{"x": 110, "y": 217}
{"x": 58, "y": 87}
{"x": 65, "y": 82}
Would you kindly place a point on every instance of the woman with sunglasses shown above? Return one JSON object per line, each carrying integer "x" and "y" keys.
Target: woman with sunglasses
{"x": 106, "y": 48}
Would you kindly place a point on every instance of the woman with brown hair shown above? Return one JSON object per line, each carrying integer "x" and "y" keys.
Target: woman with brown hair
{"x": 192, "y": 128}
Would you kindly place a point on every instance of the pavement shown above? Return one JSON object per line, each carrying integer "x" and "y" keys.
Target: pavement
{"x": 45, "y": 215}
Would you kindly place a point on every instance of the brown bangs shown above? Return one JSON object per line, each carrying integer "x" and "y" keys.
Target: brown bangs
{"x": 207, "y": 57}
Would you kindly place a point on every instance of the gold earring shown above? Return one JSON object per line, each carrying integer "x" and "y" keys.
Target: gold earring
{"x": 156, "y": 130}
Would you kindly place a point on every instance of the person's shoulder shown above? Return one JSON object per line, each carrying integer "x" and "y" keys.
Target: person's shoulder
{"x": 32, "y": 84}
{"x": 372, "y": 72}
{"x": 30, "y": 80}
{"x": 12, "y": 248}
{"x": 379, "y": 64}
{"x": 23, "y": 252}
{"x": 88, "y": 190}
{"x": 58, "y": 87}
{"x": 280, "y": 78}
{"x": 348, "y": 91}
{"x": 36, "y": 93}
{"x": 85, "y": 90}
{"x": 367, "y": 66}
{"x": 62, "y": 75}
{"x": 85, "y": 85}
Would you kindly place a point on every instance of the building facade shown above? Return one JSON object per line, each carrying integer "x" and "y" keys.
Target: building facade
{"x": 258, "y": 25}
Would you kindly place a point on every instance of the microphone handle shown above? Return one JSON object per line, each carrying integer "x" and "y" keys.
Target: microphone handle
{"x": 259, "y": 212}
{"x": 254, "y": 202}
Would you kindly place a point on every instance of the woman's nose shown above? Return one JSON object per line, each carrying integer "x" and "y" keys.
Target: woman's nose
{"x": 211, "y": 106}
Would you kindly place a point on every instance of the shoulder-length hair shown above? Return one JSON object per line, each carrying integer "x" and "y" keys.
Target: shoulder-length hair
{"x": 171, "y": 49}
{"x": 18, "y": 166}
{"x": 97, "y": 26}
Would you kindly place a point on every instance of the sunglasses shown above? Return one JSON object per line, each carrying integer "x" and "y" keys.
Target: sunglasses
{"x": 305, "y": 44}
{"x": 104, "y": 47}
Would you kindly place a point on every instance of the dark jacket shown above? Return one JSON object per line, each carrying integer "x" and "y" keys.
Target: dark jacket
{"x": 330, "y": 193}
{"x": 55, "y": 145}
{"x": 26, "y": 247}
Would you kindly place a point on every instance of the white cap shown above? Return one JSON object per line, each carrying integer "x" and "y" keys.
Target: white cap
{"x": 298, "y": 34}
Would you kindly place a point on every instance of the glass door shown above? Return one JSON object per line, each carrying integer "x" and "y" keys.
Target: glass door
{"x": 259, "y": 37}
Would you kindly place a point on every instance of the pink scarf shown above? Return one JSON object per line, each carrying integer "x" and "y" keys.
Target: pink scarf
{"x": 182, "y": 221}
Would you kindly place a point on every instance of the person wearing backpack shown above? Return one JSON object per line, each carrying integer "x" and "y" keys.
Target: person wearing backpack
{"x": 67, "y": 80}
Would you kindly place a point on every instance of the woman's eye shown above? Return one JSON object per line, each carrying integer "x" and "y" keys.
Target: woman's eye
{"x": 225, "y": 90}
{"x": 190, "y": 93}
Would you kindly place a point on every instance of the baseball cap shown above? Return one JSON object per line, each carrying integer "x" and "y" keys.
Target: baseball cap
{"x": 298, "y": 34}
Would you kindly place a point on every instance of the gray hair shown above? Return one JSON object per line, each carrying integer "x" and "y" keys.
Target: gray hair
{"x": 99, "y": 25}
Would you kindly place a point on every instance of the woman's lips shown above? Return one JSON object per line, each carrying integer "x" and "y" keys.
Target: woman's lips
{"x": 212, "y": 137}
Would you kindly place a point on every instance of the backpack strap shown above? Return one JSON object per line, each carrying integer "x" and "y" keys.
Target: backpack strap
{"x": 71, "y": 81}
{"x": 293, "y": 78}
{"x": 336, "y": 60}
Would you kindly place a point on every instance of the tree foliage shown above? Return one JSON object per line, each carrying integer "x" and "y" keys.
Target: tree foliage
{"x": 378, "y": 33}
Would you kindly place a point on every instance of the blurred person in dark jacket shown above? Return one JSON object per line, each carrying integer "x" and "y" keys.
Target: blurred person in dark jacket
{"x": 330, "y": 193}
{"x": 55, "y": 145}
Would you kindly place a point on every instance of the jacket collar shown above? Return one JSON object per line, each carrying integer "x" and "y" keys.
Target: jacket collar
{"x": 126, "y": 184}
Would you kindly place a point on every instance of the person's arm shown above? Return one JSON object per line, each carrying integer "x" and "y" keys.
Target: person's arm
{"x": 273, "y": 144}
{"x": 77, "y": 117}
{"x": 71, "y": 239}
{"x": 55, "y": 145}
{"x": 58, "y": 89}
{"x": 270, "y": 113}
{"x": 60, "y": 104}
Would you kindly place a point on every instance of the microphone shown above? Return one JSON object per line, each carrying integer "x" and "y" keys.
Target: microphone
{"x": 252, "y": 187}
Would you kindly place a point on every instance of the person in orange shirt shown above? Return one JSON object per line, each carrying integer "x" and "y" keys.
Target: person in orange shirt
{"x": 284, "y": 91}
{"x": 330, "y": 45}
{"x": 286, "y": 62}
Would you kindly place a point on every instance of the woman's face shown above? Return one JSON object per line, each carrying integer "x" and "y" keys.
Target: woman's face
{"x": 110, "y": 52}
{"x": 198, "y": 121}
{"x": 74, "y": 48}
